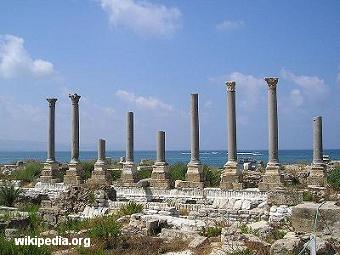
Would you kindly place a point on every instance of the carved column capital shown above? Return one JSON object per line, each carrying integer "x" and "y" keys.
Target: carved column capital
{"x": 271, "y": 82}
{"x": 230, "y": 86}
{"x": 75, "y": 98}
{"x": 51, "y": 101}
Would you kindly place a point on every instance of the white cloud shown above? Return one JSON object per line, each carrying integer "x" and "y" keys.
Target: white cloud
{"x": 15, "y": 61}
{"x": 312, "y": 87}
{"x": 229, "y": 25}
{"x": 143, "y": 102}
{"x": 296, "y": 98}
{"x": 249, "y": 89}
{"x": 142, "y": 17}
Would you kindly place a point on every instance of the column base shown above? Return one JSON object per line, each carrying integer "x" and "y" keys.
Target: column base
{"x": 73, "y": 174}
{"x": 100, "y": 175}
{"x": 230, "y": 179}
{"x": 160, "y": 177}
{"x": 195, "y": 176}
{"x": 272, "y": 179}
{"x": 49, "y": 172}
{"x": 316, "y": 175}
{"x": 129, "y": 175}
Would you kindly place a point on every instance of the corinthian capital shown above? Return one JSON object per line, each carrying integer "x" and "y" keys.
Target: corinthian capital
{"x": 51, "y": 101}
{"x": 75, "y": 98}
{"x": 230, "y": 86}
{"x": 271, "y": 82}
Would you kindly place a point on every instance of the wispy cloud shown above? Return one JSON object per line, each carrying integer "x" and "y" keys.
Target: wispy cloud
{"x": 227, "y": 25}
{"x": 15, "y": 61}
{"x": 312, "y": 87}
{"x": 142, "y": 17}
{"x": 143, "y": 102}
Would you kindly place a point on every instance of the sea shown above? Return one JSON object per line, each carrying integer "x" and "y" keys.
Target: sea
{"x": 215, "y": 158}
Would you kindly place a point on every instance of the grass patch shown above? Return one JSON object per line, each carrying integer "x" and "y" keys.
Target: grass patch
{"x": 8, "y": 247}
{"x": 88, "y": 167}
{"x": 144, "y": 174}
{"x": 307, "y": 196}
{"x": 116, "y": 174}
{"x": 212, "y": 176}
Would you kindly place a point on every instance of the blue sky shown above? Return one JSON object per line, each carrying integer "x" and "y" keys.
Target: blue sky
{"x": 148, "y": 56}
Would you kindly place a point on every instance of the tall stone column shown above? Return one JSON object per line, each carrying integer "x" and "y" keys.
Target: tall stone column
{"x": 100, "y": 175}
{"x": 50, "y": 166}
{"x": 160, "y": 177}
{"x": 195, "y": 169}
{"x": 129, "y": 173}
{"x": 316, "y": 174}
{"x": 272, "y": 177}
{"x": 230, "y": 178}
{"x": 72, "y": 176}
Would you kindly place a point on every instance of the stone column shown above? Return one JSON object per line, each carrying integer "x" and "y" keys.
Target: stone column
{"x": 50, "y": 166}
{"x": 129, "y": 173}
{"x": 316, "y": 174}
{"x": 75, "y": 128}
{"x": 273, "y": 138}
{"x": 160, "y": 147}
{"x": 272, "y": 177}
{"x": 100, "y": 175}
{"x": 160, "y": 177}
{"x": 317, "y": 141}
{"x": 229, "y": 177}
{"x": 51, "y": 130}
{"x": 129, "y": 138}
{"x": 72, "y": 176}
{"x": 195, "y": 168}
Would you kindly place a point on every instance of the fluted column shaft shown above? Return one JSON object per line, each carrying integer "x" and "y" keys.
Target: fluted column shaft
{"x": 317, "y": 141}
{"x": 129, "y": 138}
{"x": 160, "y": 147}
{"x": 232, "y": 151}
{"x": 272, "y": 122}
{"x": 75, "y": 128}
{"x": 195, "y": 158}
{"x": 51, "y": 130}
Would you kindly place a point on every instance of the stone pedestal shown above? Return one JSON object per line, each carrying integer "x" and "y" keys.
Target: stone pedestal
{"x": 160, "y": 177}
{"x": 48, "y": 172}
{"x": 230, "y": 178}
{"x": 272, "y": 179}
{"x": 316, "y": 176}
{"x": 100, "y": 175}
{"x": 129, "y": 175}
{"x": 194, "y": 176}
{"x": 72, "y": 176}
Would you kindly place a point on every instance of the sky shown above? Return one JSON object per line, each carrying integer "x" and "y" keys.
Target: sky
{"x": 148, "y": 56}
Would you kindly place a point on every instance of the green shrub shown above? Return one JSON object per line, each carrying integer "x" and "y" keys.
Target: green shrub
{"x": 108, "y": 229}
{"x": 88, "y": 167}
{"x": 116, "y": 174}
{"x": 333, "y": 178}
{"x": 72, "y": 225}
{"x": 144, "y": 174}
{"x": 34, "y": 223}
{"x": 307, "y": 196}
{"x": 8, "y": 247}
{"x": 9, "y": 194}
{"x": 211, "y": 231}
{"x": 178, "y": 171}
{"x": 29, "y": 173}
{"x": 130, "y": 208}
{"x": 212, "y": 176}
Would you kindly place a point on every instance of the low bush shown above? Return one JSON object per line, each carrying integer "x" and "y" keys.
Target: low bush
{"x": 116, "y": 174}
{"x": 307, "y": 196}
{"x": 211, "y": 231}
{"x": 9, "y": 195}
{"x": 87, "y": 167}
{"x": 130, "y": 208}
{"x": 333, "y": 178}
{"x": 29, "y": 173}
{"x": 212, "y": 176}
{"x": 144, "y": 174}
{"x": 178, "y": 171}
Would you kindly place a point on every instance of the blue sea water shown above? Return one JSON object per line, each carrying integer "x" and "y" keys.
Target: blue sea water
{"x": 214, "y": 158}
